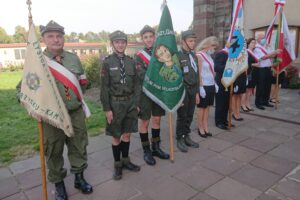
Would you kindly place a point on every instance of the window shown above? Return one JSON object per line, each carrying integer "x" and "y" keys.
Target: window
{"x": 17, "y": 54}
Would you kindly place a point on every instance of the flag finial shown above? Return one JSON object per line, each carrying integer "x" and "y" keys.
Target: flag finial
{"x": 28, "y": 2}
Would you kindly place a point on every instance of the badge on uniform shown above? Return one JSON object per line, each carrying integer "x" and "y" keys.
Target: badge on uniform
{"x": 113, "y": 68}
{"x": 186, "y": 69}
{"x": 122, "y": 81}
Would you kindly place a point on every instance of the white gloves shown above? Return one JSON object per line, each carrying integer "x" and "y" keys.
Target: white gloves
{"x": 236, "y": 88}
{"x": 217, "y": 88}
{"x": 202, "y": 92}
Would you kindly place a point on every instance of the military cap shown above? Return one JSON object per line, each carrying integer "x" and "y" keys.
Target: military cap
{"x": 52, "y": 26}
{"x": 147, "y": 28}
{"x": 188, "y": 34}
{"x": 118, "y": 35}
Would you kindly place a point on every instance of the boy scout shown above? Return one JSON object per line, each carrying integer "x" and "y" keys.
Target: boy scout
{"x": 120, "y": 92}
{"x": 54, "y": 138}
{"x": 147, "y": 107}
{"x": 185, "y": 113}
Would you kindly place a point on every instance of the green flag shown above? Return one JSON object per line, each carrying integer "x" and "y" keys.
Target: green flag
{"x": 163, "y": 81}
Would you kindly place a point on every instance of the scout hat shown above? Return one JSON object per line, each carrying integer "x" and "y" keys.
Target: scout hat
{"x": 52, "y": 26}
{"x": 118, "y": 35}
{"x": 188, "y": 34}
{"x": 147, "y": 28}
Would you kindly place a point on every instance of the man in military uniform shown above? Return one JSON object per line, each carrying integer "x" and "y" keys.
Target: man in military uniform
{"x": 188, "y": 63}
{"x": 120, "y": 92}
{"x": 54, "y": 138}
{"x": 148, "y": 109}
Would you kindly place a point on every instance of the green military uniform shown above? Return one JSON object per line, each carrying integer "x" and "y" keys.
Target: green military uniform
{"x": 54, "y": 138}
{"x": 120, "y": 97}
{"x": 191, "y": 82}
{"x": 146, "y": 105}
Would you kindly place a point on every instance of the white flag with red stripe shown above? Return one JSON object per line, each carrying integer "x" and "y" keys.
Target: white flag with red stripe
{"x": 39, "y": 93}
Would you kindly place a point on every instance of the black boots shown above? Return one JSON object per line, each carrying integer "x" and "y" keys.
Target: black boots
{"x": 127, "y": 164}
{"x": 181, "y": 145}
{"x": 189, "y": 142}
{"x": 117, "y": 174}
{"x": 60, "y": 191}
{"x": 157, "y": 151}
{"x": 148, "y": 155}
{"x": 81, "y": 184}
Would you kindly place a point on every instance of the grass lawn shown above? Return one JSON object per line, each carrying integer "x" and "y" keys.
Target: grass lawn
{"x": 18, "y": 131}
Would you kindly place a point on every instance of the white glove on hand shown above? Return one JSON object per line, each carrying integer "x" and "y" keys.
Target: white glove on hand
{"x": 236, "y": 88}
{"x": 202, "y": 92}
{"x": 217, "y": 88}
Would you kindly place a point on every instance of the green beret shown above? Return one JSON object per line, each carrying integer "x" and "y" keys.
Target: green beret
{"x": 147, "y": 28}
{"x": 52, "y": 26}
{"x": 188, "y": 34}
{"x": 118, "y": 35}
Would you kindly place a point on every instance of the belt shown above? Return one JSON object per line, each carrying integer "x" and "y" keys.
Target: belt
{"x": 121, "y": 98}
{"x": 190, "y": 86}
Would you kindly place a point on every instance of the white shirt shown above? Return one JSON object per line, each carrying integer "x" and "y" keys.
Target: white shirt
{"x": 207, "y": 75}
{"x": 259, "y": 53}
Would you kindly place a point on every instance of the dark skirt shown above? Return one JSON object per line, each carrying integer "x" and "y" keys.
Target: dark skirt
{"x": 241, "y": 83}
{"x": 209, "y": 98}
{"x": 252, "y": 78}
{"x": 281, "y": 78}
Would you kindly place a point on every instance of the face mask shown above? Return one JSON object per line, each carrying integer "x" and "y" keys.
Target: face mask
{"x": 263, "y": 41}
{"x": 211, "y": 51}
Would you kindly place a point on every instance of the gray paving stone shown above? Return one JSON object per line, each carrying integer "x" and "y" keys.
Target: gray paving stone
{"x": 164, "y": 188}
{"x": 232, "y": 137}
{"x": 241, "y": 153}
{"x": 288, "y": 131}
{"x": 268, "y": 197}
{"x": 140, "y": 197}
{"x": 36, "y": 193}
{"x": 255, "y": 177}
{"x": 97, "y": 144}
{"x": 18, "y": 196}
{"x": 222, "y": 164}
{"x": 4, "y": 173}
{"x": 25, "y": 165}
{"x": 272, "y": 137}
{"x": 30, "y": 179}
{"x": 288, "y": 188}
{"x": 258, "y": 144}
{"x": 8, "y": 187}
{"x": 247, "y": 131}
{"x": 289, "y": 150}
{"x": 202, "y": 196}
{"x": 198, "y": 177}
{"x": 274, "y": 164}
{"x": 294, "y": 174}
{"x": 215, "y": 144}
{"x": 101, "y": 156}
{"x": 229, "y": 189}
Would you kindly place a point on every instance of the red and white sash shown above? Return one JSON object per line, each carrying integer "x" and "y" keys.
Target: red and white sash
{"x": 253, "y": 55}
{"x": 144, "y": 56}
{"x": 263, "y": 50}
{"x": 68, "y": 79}
{"x": 211, "y": 64}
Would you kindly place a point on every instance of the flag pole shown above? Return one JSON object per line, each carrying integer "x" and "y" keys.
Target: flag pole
{"x": 171, "y": 138}
{"x": 277, "y": 67}
{"x": 40, "y": 127}
{"x": 230, "y": 107}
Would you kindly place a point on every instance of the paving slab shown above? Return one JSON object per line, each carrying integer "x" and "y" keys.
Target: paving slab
{"x": 215, "y": 144}
{"x": 290, "y": 150}
{"x": 4, "y": 173}
{"x": 202, "y": 196}
{"x": 258, "y": 144}
{"x": 241, "y": 153}
{"x": 25, "y": 165}
{"x": 18, "y": 196}
{"x": 232, "y": 137}
{"x": 8, "y": 187}
{"x": 288, "y": 188}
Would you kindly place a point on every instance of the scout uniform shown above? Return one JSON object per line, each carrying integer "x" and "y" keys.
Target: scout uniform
{"x": 120, "y": 92}
{"x": 54, "y": 138}
{"x": 147, "y": 107}
{"x": 188, "y": 63}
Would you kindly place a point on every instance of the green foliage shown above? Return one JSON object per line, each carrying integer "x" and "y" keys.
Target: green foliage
{"x": 12, "y": 68}
{"x": 20, "y": 35}
{"x": 92, "y": 67}
{"x": 292, "y": 77}
{"x": 4, "y": 37}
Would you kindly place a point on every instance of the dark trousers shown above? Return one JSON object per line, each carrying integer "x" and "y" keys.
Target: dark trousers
{"x": 263, "y": 87}
{"x": 185, "y": 114}
{"x": 222, "y": 105}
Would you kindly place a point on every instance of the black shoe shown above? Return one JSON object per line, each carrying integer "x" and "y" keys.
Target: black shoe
{"x": 117, "y": 174}
{"x": 158, "y": 152}
{"x": 208, "y": 134}
{"x": 268, "y": 105}
{"x": 222, "y": 126}
{"x": 81, "y": 184}
{"x": 60, "y": 191}
{"x": 189, "y": 142}
{"x": 148, "y": 156}
{"x": 181, "y": 145}
{"x": 202, "y": 134}
{"x": 260, "y": 107}
{"x": 127, "y": 164}
{"x": 250, "y": 109}
{"x": 244, "y": 109}
{"x": 237, "y": 119}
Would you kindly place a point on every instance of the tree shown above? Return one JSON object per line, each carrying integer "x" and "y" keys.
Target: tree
{"x": 20, "y": 34}
{"x": 4, "y": 38}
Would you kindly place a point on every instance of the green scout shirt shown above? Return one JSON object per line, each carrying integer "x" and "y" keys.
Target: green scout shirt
{"x": 111, "y": 80}
{"x": 191, "y": 78}
{"x": 71, "y": 62}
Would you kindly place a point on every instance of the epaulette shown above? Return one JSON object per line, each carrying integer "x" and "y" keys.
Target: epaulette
{"x": 106, "y": 57}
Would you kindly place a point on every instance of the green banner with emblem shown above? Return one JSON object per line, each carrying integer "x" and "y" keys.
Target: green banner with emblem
{"x": 163, "y": 82}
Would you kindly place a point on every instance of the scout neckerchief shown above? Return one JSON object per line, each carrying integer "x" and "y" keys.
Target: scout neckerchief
{"x": 193, "y": 63}
{"x": 68, "y": 79}
{"x": 144, "y": 56}
{"x": 202, "y": 54}
{"x": 122, "y": 70}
